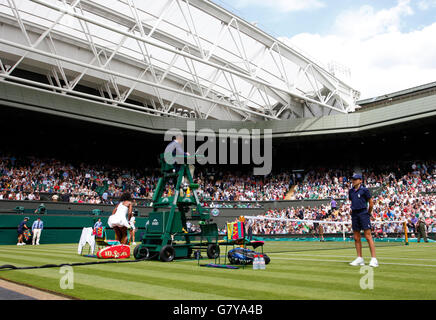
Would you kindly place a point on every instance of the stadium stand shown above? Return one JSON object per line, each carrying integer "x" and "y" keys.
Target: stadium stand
{"x": 405, "y": 189}
{"x": 28, "y": 178}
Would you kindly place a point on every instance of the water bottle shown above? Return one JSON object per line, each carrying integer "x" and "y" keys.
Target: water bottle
{"x": 256, "y": 262}
{"x": 262, "y": 263}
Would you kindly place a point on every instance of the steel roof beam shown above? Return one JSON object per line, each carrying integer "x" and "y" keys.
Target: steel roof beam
{"x": 268, "y": 41}
{"x": 179, "y": 80}
{"x": 188, "y": 55}
{"x": 110, "y": 72}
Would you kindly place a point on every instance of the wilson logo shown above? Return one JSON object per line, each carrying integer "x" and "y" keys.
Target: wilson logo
{"x": 114, "y": 252}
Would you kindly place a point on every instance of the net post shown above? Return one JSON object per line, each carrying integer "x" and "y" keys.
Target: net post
{"x": 406, "y": 236}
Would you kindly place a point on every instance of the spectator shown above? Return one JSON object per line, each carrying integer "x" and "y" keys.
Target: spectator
{"x": 105, "y": 197}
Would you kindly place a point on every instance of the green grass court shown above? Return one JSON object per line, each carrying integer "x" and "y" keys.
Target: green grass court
{"x": 405, "y": 272}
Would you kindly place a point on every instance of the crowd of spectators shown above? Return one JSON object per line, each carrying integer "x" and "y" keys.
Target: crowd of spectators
{"x": 402, "y": 197}
{"x": 325, "y": 184}
{"x": 408, "y": 211}
{"x": 238, "y": 187}
{"x": 405, "y": 190}
{"x": 28, "y": 178}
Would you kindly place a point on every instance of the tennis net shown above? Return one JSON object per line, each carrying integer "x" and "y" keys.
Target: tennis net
{"x": 287, "y": 235}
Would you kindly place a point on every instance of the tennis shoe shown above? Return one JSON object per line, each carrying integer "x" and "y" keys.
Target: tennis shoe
{"x": 373, "y": 263}
{"x": 358, "y": 262}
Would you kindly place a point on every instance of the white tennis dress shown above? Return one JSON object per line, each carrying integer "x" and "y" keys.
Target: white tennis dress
{"x": 119, "y": 219}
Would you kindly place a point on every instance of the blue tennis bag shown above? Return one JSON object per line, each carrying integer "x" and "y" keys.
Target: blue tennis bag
{"x": 241, "y": 256}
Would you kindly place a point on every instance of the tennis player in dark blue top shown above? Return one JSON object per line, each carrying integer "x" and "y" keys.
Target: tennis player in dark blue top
{"x": 360, "y": 197}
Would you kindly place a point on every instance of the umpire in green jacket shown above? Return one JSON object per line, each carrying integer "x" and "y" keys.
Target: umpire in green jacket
{"x": 421, "y": 229}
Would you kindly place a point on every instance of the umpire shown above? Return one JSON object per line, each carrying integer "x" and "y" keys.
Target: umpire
{"x": 421, "y": 229}
{"x": 361, "y": 219}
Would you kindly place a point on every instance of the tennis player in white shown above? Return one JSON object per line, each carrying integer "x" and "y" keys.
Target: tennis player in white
{"x": 118, "y": 220}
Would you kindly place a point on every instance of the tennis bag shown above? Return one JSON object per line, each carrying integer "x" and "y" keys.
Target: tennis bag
{"x": 243, "y": 256}
{"x": 114, "y": 252}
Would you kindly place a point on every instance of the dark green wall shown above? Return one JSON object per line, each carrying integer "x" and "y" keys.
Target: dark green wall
{"x": 57, "y": 229}
{"x": 77, "y": 211}
{"x": 64, "y": 222}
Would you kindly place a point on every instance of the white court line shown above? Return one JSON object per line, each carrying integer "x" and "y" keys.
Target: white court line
{"x": 350, "y": 256}
{"x": 404, "y": 247}
{"x": 384, "y": 263}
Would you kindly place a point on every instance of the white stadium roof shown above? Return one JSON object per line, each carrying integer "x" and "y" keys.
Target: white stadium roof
{"x": 177, "y": 58}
